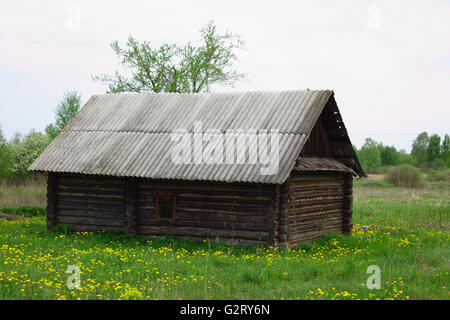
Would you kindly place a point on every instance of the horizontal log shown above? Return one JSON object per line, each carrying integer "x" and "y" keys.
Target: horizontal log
{"x": 113, "y": 201}
{"x": 107, "y": 222}
{"x": 203, "y": 224}
{"x": 315, "y": 198}
{"x": 91, "y": 213}
{"x": 301, "y": 211}
{"x": 211, "y": 193}
{"x": 241, "y": 242}
{"x": 306, "y": 235}
{"x": 204, "y": 186}
{"x": 201, "y": 232}
{"x": 80, "y": 227}
{"x": 313, "y": 226}
{"x": 189, "y": 216}
{"x": 225, "y": 210}
{"x": 145, "y": 207}
{"x": 315, "y": 203}
{"x": 94, "y": 188}
{"x": 313, "y": 189}
{"x": 319, "y": 177}
{"x": 61, "y": 204}
{"x": 315, "y": 185}
{"x": 206, "y": 203}
{"x": 295, "y": 243}
{"x": 230, "y": 196}
{"x": 316, "y": 217}
{"x": 80, "y": 179}
{"x": 90, "y": 194}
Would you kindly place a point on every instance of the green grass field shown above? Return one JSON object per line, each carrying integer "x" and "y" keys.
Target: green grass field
{"x": 403, "y": 231}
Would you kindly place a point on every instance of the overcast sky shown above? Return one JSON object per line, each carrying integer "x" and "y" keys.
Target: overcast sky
{"x": 387, "y": 61}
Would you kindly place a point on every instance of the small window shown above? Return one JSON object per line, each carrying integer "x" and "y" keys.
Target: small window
{"x": 166, "y": 203}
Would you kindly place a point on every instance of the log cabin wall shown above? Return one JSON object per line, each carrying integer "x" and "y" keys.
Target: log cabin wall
{"x": 89, "y": 202}
{"x": 317, "y": 204}
{"x": 239, "y": 213}
{"x": 234, "y": 213}
{"x": 305, "y": 207}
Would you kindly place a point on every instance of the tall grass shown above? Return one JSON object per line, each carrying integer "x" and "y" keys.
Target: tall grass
{"x": 32, "y": 192}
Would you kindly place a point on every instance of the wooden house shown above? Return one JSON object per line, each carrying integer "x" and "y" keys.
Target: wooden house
{"x": 112, "y": 168}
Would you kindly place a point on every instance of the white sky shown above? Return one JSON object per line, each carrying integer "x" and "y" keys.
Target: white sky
{"x": 388, "y": 61}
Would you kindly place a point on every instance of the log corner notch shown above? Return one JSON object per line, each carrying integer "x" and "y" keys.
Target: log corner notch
{"x": 348, "y": 204}
{"x": 130, "y": 212}
{"x": 283, "y": 227}
{"x": 51, "y": 201}
{"x": 273, "y": 229}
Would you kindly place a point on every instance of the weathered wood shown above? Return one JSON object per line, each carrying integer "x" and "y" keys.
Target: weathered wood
{"x": 279, "y": 215}
{"x": 319, "y": 225}
{"x": 347, "y": 206}
{"x": 274, "y": 217}
{"x": 314, "y": 233}
{"x": 316, "y": 217}
{"x": 51, "y": 200}
{"x": 130, "y": 212}
{"x": 88, "y": 213}
{"x": 224, "y": 210}
{"x": 231, "y": 217}
{"x": 107, "y": 222}
{"x": 202, "y": 232}
{"x": 88, "y": 228}
{"x": 204, "y": 224}
{"x": 283, "y": 213}
{"x": 317, "y": 205}
{"x": 314, "y": 196}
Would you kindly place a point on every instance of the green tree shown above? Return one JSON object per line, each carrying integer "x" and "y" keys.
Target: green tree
{"x": 4, "y": 158}
{"x": 172, "y": 68}
{"x": 445, "y": 150}
{"x": 369, "y": 155}
{"x": 2, "y": 137}
{"x": 23, "y": 150}
{"x": 434, "y": 148}
{"x": 66, "y": 109}
{"x": 420, "y": 146}
{"x": 406, "y": 158}
{"x": 389, "y": 155}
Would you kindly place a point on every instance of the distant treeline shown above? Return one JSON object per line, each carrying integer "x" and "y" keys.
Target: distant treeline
{"x": 427, "y": 151}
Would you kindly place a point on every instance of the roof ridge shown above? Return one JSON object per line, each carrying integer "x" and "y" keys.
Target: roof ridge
{"x": 211, "y": 93}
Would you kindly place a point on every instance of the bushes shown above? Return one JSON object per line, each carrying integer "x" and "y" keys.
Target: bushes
{"x": 23, "y": 150}
{"x": 26, "y": 211}
{"x": 404, "y": 176}
{"x": 439, "y": 175}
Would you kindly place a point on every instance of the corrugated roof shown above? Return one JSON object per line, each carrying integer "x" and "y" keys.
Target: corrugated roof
{"x": 321, "y": 164}
{"x": 130, "y": 134}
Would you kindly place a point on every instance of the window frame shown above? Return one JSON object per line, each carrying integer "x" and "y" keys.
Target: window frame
{"x": 173, "y": 197}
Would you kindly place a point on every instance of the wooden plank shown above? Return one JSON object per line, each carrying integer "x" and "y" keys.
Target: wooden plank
{"x": 202, "y": 232}
{"x": 93, "y": 221}
{"x": 130, "y": 211}
{"x": 52, "y": 210}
